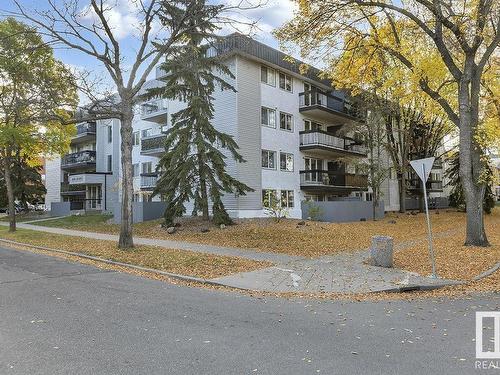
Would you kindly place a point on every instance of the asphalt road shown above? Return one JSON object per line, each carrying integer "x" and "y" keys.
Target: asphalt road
{"x": 58, "y": 317}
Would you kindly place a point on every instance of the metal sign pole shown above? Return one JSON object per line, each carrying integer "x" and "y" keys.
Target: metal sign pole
{"x": 429, "y": 229}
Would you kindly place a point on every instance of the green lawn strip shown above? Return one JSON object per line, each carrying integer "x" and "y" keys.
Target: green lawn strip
{"x": 20, "y": 218}
{"x": 170, "y": 260}
{"x": 77, "y": 221}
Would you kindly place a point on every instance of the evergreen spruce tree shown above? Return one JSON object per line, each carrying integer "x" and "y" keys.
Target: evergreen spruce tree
{"x": 193, "y": 167}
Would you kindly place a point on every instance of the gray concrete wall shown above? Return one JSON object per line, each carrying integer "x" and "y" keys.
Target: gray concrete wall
{"x": 60, "y": 209}
{"x": 343, "y": 211}
{"x": 141, "y": 211}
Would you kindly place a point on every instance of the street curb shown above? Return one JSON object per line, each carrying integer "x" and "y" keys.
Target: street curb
{"x": 487, "y": 273}
{"x": 127, "y": 265}
{"x": 399, "y": 289}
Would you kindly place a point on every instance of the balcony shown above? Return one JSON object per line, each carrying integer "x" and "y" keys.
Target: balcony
{"x": 155, "y": 110}
{"x": 154, "y": 145}
{"x": 79, "y": 160}
{"x": 76, "y": 190}
{"x": 85, "y": 132}
{"x": 335, "y": 181}
{"x": 328, "y": 108}
{"x": 148, "y": 181}
{"x": 431, "y": 185}
{"x": 325, "y": 144}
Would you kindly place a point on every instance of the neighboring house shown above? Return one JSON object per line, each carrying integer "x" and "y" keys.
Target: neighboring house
{"x": 297, "y": 135}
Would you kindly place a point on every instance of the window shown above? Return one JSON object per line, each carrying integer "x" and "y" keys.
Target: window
{"x": 269, "y": 197}
{"x": 311, "y": 125}
{"x": 136, "y": 140}
{"x": 110, "y": 163}
{"x": 368, "y": 197}
{"x": 287, "y": 198}
{"x": 313, "y": 164}
{"x": 268, "y": 75}
{"x": 285, "y": 82}
{"x": 286, "y": 121}
{"x": 147, "y": 167}
{"x": 147, "y": 133}
{"x": 135, "y": 170}
{"x": 268, "y": 117}
{"x": 268, "y": 159}
{"x": 110, "y": 134}
{"x": 286, "y": 162}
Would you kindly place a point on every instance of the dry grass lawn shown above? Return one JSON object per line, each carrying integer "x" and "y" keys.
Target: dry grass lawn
{"x": 315, "y": 239}
{"x": 175, "y": 261}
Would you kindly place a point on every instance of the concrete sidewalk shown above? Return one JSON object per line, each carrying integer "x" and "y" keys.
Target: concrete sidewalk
{"x": 341, "y": 273}
{"x": 181, "y": 245}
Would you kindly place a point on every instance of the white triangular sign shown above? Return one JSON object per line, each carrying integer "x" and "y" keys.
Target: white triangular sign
{"x": 426, "y": 163}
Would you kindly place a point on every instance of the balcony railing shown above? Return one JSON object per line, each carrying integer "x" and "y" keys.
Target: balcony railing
{"x": 314, "y": 98}
{"x": 416, "y": 184}
{"x": 311, "y": 138}
{"x": 321, "y": 178}
{"x": 77, "y": 159}
{"x": 86, "y": 127}
{"x": 149, "y": 180}
{"x": 153, "y": 144}
{"x": 68, "y": 189}
{"x": 153, "y": 108}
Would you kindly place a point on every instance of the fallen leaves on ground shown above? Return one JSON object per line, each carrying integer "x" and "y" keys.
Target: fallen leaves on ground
{"x": 181, "y": 262}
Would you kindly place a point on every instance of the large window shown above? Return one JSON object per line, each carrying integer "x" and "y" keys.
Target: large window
{"x": 286, "y": 121}
{"x": 269, "y": 197}
{"x": 286, "y": 82}
{"x": 147, "y": 133}
{"x": 286, "y": 162}
{"x": 147, "y": 167}
{"x": 268, "y": 117}
{"x": 110, "y": 134}
{"x": 311, "y": 125}
{"x": 136, "y": 140}
{"x": 135, "y": 170}
{"x": 287, "y": 198}
{"x": 268, "y": 75}
{"x": 110, "y": 163}
{"x": 268, "y": 159}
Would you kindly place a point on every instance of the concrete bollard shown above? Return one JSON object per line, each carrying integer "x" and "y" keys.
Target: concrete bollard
{"x": 382, "y": 251}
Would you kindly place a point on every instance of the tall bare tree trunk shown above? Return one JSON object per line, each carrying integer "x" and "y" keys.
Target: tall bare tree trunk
{"x": 10, "y": 192}
{"x": 126, "y": 240}
{"x": 402, "y": 193}
{"x": 203, "y": 191}
{"x": 471, "y": 165}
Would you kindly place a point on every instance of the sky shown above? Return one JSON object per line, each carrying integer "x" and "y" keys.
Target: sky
{"x": 270, "y": 16}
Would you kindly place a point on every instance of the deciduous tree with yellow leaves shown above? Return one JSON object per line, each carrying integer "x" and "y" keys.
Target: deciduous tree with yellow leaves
{"x": 447, "y": 49}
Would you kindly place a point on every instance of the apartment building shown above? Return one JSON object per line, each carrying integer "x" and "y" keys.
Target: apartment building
{"x": 297, "y": 135}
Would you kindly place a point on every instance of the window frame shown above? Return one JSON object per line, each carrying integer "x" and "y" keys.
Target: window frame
{"x": 109, "y": 162}
{"x": 293, "y": 162}
{"x": 270, "y": 152}
{"x": 288, "y": 198}
{"x": 136, "y": 138}
{"x": 150, "y": 169}
{"x": 266, "y": 193}
{"x": 268, "y": 109}
{"x": 143, "y": 132}
{"x": 286, "y": 76}
{"x": 286, "y": 115}
{"x": 268, "y": 69}
{"x": 110, "y": 133}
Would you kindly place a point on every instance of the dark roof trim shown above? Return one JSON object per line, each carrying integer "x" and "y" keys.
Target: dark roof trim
{"x": 238, "y": 43}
